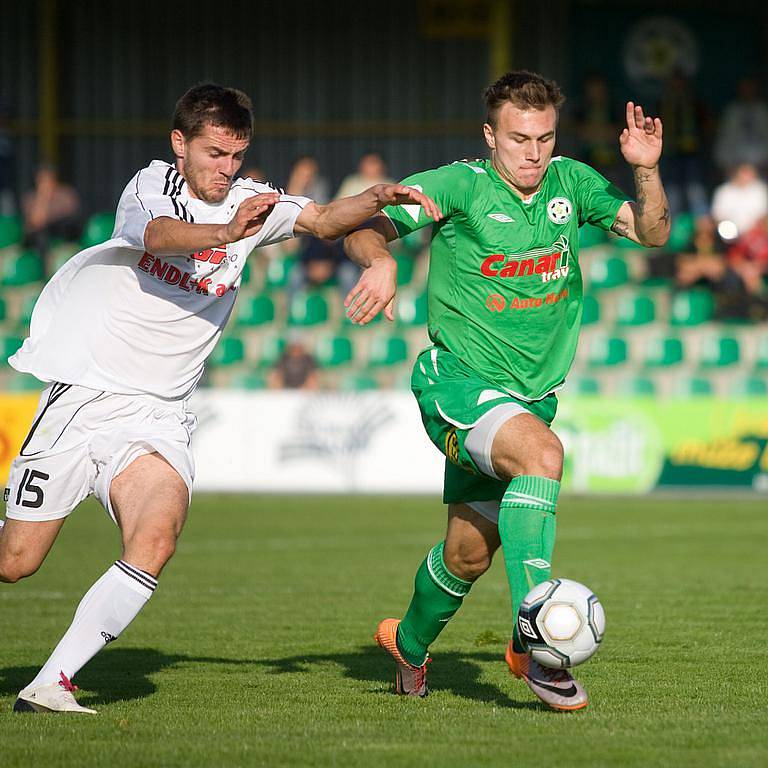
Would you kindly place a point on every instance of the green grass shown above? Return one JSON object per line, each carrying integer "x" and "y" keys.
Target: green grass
{"x": 256, "y": 648}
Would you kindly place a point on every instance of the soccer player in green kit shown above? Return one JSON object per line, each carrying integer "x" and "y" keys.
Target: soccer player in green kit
{"x": 505, "y": 300}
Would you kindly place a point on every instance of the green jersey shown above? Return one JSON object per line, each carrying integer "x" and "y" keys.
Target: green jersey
{"x": 504, "y": 286}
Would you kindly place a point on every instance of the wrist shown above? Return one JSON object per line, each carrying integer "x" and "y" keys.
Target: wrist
{"x": 647, "y": 168}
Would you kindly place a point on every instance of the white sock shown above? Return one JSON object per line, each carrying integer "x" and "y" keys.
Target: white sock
{"x": 108, "y": 607}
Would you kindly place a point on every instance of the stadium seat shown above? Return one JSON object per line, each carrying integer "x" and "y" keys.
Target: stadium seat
{"x": 279, "y": 271}
{"x": 249, "y": 380}
{"x": 272, "y": 346}
{"x": 590, "y": 310}
{"x": 228, "y": 351}
{"x": 605, "y": 351}
{"x": 11, "y": 230}
{"x": 636, "y": 386}
{"x": 25, "y": 316}
{"x": 590, "y": 236}
{"x": 692, "y": 307}
{"x": 98, "y": 229}
{"x": 308, "y": 309}
{"x": 681, "y": 232}
{"x": 635, "y": 309}
{"x": 663, "y": 351}
{"x": 694, "y": 386}
{"x": 388, "y": 350}
{"x": 582, "y": 385}
{"x": 761, "y": 357}
{"x": 247, "y": 274}
{"x": 610, "y": 272}
{"x": 411, "y": 309}
{"x": 358, "y": 382}
{"x": 255, "y": 310}
{"x": 333, "y": 351}
{"x": 405, "y": 269}
{"x": 8, "y": 347}
{"x": 748, "y": 386}
{"x": 719, "y": 352}
{"x": 3, "y": 309}
{"x": 23, "y": 269}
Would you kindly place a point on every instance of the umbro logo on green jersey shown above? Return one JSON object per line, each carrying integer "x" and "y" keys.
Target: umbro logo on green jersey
{"x": 502, "y": 217}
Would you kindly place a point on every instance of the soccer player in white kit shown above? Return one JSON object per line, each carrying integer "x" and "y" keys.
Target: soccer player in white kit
{"x": 120, "y": 335}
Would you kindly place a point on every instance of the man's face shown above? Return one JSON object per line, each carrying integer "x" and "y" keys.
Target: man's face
{"x": 521, "y": 145}
{"x": 209, "y": 161}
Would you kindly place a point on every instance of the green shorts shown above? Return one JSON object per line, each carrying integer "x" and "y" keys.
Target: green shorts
{"x": 452, "y": 399}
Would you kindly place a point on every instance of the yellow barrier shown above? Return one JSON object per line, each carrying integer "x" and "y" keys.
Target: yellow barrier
{"x": 16, "y": 412}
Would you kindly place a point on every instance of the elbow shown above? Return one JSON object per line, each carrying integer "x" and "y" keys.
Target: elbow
{"x": 655, "y": 239}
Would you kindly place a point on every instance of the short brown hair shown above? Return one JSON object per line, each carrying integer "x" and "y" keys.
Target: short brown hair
{"x": 211, "y": 104}
{"x": 526, "y": 90}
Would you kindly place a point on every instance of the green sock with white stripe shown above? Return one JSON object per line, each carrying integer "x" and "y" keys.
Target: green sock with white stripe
{"x": 527, "y": 532}
{"x": 437, "y": 595}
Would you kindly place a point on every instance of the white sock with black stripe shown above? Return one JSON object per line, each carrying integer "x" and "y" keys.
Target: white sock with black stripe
{"x": 108, "y": 607}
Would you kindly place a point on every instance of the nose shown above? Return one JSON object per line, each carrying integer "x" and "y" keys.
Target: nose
{"x": 228, "y": 166}
{"x": 534, "y": 151}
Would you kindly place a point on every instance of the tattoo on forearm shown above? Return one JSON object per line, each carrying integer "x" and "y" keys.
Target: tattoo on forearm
{"x": 620, "y": 228}
{"x": 664, "y": 218}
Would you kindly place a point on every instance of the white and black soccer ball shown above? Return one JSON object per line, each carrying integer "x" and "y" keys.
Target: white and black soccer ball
{"x": 561, "y": 622}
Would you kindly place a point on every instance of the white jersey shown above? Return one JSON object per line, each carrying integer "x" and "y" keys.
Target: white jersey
{"x": 118, "y": 319}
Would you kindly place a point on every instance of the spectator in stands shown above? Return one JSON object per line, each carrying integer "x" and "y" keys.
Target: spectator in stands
{"x": 743, "y": 133}
{"x": 371, "y": 169}
{"x": 685, "y": 128}
{"x": 296, "y": 368}
{"x": 51, "y": 211}
{"x": 305, "y": 179}
{"x": 741, "y": 202}
{"x": 749, "y": 256}
{"x": 7, "y": 193}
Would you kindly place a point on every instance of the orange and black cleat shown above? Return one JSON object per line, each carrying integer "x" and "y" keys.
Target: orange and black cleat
{"x": 409, "y": 680}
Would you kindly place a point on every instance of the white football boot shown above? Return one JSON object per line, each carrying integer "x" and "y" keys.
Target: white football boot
{"x": 53, "y": 697}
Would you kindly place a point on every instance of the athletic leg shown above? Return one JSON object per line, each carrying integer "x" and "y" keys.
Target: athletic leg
{"x": 24, "y": 546}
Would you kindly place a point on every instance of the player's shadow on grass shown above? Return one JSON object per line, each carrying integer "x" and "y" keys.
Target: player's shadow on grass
{"x": 458, "y": 673}
{"x": 119, "y": 674}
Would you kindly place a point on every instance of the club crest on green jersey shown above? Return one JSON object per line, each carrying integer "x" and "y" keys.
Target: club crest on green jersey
{"x": 559, "y": 210}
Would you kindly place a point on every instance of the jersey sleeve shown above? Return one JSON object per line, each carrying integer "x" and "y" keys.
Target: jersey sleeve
{"x": 597, "y": 198}
{"x": 280, "y": 223}
{"x": 154, "y": 191}
{"x": 450, "y": 186}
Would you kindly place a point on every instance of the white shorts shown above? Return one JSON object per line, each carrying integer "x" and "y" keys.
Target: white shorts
{"x": 81, "y": 439}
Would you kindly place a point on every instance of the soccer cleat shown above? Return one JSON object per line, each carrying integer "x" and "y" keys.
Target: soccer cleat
{"x": 409, "y": 680}
{"x": 555, "y": 687}
{"x": 54, "y": 697}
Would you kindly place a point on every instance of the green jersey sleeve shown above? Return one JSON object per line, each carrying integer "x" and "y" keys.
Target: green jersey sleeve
{"x": 450, "y": 186}
{"x": 597, "y": 199}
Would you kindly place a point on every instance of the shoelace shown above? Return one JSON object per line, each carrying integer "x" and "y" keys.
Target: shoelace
{"x": 420, "y": 673}
{"x": 555, "y": 675}
{"x": 66, "y": 683}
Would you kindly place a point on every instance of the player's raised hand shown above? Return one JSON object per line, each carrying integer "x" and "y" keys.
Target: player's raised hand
{"x": 250, "y": 216}
{"x": 375, "y": 290}
{"x": 641, "y": 140}
{"x": 399, "y": 194}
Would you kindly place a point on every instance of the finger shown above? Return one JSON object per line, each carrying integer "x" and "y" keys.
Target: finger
{"x": 639, "y": 117}
{"x": 357, "y": 304}
{"x": 659, "y": 128}
{"x": 630, "y": 114}
{"x": 624, "y": 137}
{"x": 389, "y": 311}
{"x": 648, "y": 125}
{"x": 370, "y": 312}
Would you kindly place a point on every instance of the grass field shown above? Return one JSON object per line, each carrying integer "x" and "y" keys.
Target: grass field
{"x": 256, "y": 648}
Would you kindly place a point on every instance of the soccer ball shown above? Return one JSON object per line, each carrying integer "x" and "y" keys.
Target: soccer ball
{"x": 561, "y": 622}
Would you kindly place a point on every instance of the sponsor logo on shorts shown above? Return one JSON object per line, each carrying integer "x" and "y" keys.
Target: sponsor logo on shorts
{"x": 549, "y": 263}
{"x": 452, "y": 446}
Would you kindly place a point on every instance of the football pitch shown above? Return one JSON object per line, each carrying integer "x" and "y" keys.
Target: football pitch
{"x": 256, "y": 648}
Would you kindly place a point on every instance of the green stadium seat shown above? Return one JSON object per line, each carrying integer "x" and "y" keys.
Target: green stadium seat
{"x": 748, "y": 386}
{"x": 590, "y": 236}
{"x": 761, "y": 358}
{"x": 605, "y": 351}
{"x": 8, "y": 347}
{"x": 3, "y": 309}
{"x": 411, "y": 310}
{"x": 247, "y": 274}
{"x": 255, "y": 310}
{"x": 692, "y": 307}
{"x": 98, "y": 229}
{"x": 333, "y": 351}
{"x": 610, "y": 272}
{"x": 590, "y": 310}
{"x": 25, "y": 316}
{"x": 358, "y": 382}
{"x": 694, "y": 386}
{"x": 637, "y": 386}
{"x": 388, "y": 350}
{"x": 249, "y": 380}
{"x": 635, "y": 309}
{"x": 683, "y": 225}
{"x": 272, "y": 346}
{"x": 663, "y": 351}
{"x": 719, "y": 352}
{"x": 308, "y": 309}
{"x": 279, "y": 271}
{"x": 405, "y": 269}
{"x": 11, "y": 231}
{"x": 23, "y": 269}
{"x": 583, "y": 385}
{"x": 228, "y": 351}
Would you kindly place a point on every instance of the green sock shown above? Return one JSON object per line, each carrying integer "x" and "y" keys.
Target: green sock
{"x": 527, "y": 532}
{"x": 436, "y": 597}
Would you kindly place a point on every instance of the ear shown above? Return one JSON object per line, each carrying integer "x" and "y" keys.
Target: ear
{"x": 490, "y": 138}
{"x": 178, "y": 143}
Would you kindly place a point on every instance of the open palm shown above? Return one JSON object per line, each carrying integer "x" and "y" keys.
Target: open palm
{"x": 641, "y": 140}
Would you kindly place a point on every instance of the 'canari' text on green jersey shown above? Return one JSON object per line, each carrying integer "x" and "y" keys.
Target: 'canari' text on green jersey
{"x": 504, "y": 286}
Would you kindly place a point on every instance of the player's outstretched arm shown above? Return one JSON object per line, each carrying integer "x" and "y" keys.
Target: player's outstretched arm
{"x": 339, "y": 217}
{"x": 647, "y": 221}
{"x": 167, "y": 236}
{"x": 375, "y": 290}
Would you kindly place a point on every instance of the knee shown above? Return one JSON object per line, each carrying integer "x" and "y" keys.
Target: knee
{"x": 467, "y": 565}
{"x": 13, "y": 569}
{"x": 546, "y": 460}
{"x": 150, "y": 550}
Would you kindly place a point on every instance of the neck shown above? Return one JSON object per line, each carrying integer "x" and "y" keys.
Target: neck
{"x": 524, "y": 193}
